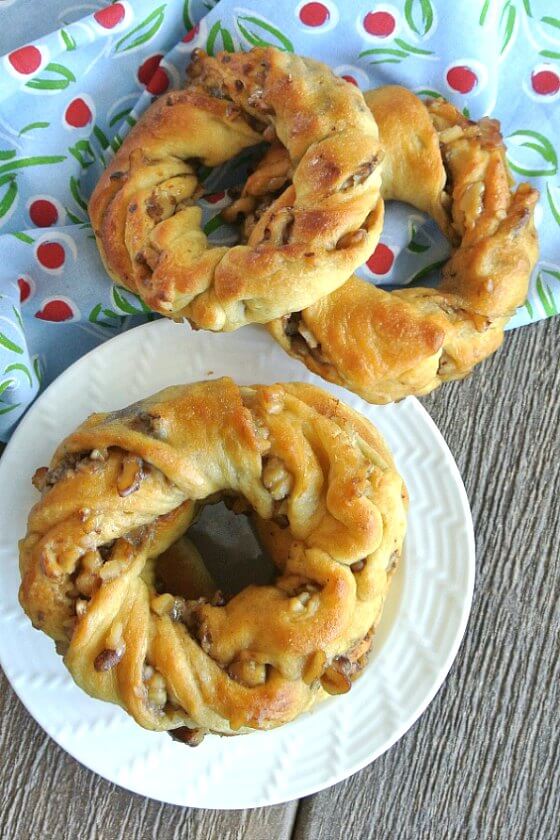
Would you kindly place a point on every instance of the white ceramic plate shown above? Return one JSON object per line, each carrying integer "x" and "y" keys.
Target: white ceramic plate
{"x": 418, "y": 638}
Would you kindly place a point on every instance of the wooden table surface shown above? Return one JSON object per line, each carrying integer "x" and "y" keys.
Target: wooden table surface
{"x": 483, "y": 761}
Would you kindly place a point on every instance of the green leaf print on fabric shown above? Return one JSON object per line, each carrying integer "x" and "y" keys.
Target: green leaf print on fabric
{"x": 128, "y": 302}
{"x": 76, "y": 194}
{"x": 37, "y": 369}
{"x": 416, "y": 245}
{"x": 9, "y": 344}
{"x": 8, "y": 408}
{"x": 419, "y": 15}
{"x": 63, "y": 77}
{"x": 213, "y": 224}
{"x": 7, "y": 383}
{"x": 551, "y": 21}
{"x": 540, "y": 159}
{"x": 432, "y": 94}
{"x": 80, "y": 202}
{"x": 187, "y": 19}
{"x": 484, "y": 12}
{"x": 8, "y": 172}
{"x": 8, "y": 193}
{"x": 104, "y": 317}
{"x": 391, "y": 55}
{"x": 554, "y": 208}
{"x": 32, "y": 126}
{"x": 83, "y": 153}
{"x": 545, "y": 291}
{"x": 39, "y": 160}
{"x": 427, "y": 270}
{"x": 508, "y": 18}
{"x": 142, "y": 33}
{"x": 23, "y": 237}
{"x": 69, "y": 41}
{"x": 249, "y": 27}
{"x": 119, "y": 117}
{"x": 219, "y": 38}
{"x": 24, "y": 369}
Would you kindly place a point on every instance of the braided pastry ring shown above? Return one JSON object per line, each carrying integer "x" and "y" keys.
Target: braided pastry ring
{"x": 147, "y": 225}
{"x": 385, "y": 346}
{"x": 125, "y": 486}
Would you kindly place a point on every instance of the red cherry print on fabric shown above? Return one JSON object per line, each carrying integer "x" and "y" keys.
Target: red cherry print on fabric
{"x": 462, "y": 79}
{"x": 381, "y": 24}
{"x": 382, "y": 259}
{"x": 159, "y": 82}
{"x": 55, "y": 310}
{"x": 43, "y": 213}
{"x": 545, "y": 82}
{"x": 148, "y": 68}
{"x": 191, "y": 34}
{"x": 350, "y": 79}
{"x": 78, "y": 113}
{"x": 26, "y": 60}
{"x": 24, "y": 289}
{"x": 214, "y": 198}
{"x": 314, "y": 14}
{"x": 110, "y": 16}
{"x": 50, "y": 255}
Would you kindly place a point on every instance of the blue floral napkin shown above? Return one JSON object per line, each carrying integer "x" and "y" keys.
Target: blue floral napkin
{"x": 68, "y": 99}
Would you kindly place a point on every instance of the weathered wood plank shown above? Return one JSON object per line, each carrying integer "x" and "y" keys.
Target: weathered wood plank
{"x": 484, "y": 760}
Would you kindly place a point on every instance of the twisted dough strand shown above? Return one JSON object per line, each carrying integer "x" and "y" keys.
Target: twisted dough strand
{"x": 124, "y": 488}
{"x": 147, "y": 224}
{"x": 384, "y": 345}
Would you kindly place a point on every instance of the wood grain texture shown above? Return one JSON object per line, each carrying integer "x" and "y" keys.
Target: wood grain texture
{"x": 484, "y": 759}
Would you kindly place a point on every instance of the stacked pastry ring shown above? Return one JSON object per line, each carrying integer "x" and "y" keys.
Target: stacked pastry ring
{"x": 315, "y": 477}
{"x": 385, "y": 346}
{"x": 123, "y": 489}
{"x": 309, "y": 240}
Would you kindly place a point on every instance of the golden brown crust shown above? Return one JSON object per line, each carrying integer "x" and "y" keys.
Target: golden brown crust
{"x": 385, "y": 346}
{"x": 123, "y": 489}
{"x": 147, "y": 225}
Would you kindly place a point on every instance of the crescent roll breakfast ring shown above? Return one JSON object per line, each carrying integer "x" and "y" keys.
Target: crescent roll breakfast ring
{"x": 310, "y": 239}
{"x": 121, "y": 492}
{"x": 384, "y": 345}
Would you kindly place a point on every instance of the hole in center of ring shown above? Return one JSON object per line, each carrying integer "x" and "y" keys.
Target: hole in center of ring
{"x": 219, "y": 552}
{"x": 229, "y": 214}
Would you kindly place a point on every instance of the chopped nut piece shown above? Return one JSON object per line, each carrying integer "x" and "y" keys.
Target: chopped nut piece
{"x": 336, "y": 680}
{"x": 247, "y": 671}
{"x": 354, "y": 237}
{"x": 81, "y": 607}
{"x": 448, "y": 135}
{"x": 299, "y": 602}
{"x": 313, "y": 667}
{"x": 306, "y": 333}
{"x": 130, "y": 475}
{"x": 276, "y": 478}
{"x": 107, "y": 659}
{"x": 358, "y": 566}
{"x": 39, "y": 479}
{"x": 190, "y": 737}
{"x": 157, "y": 690}
{"x": 167, "y": 604}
